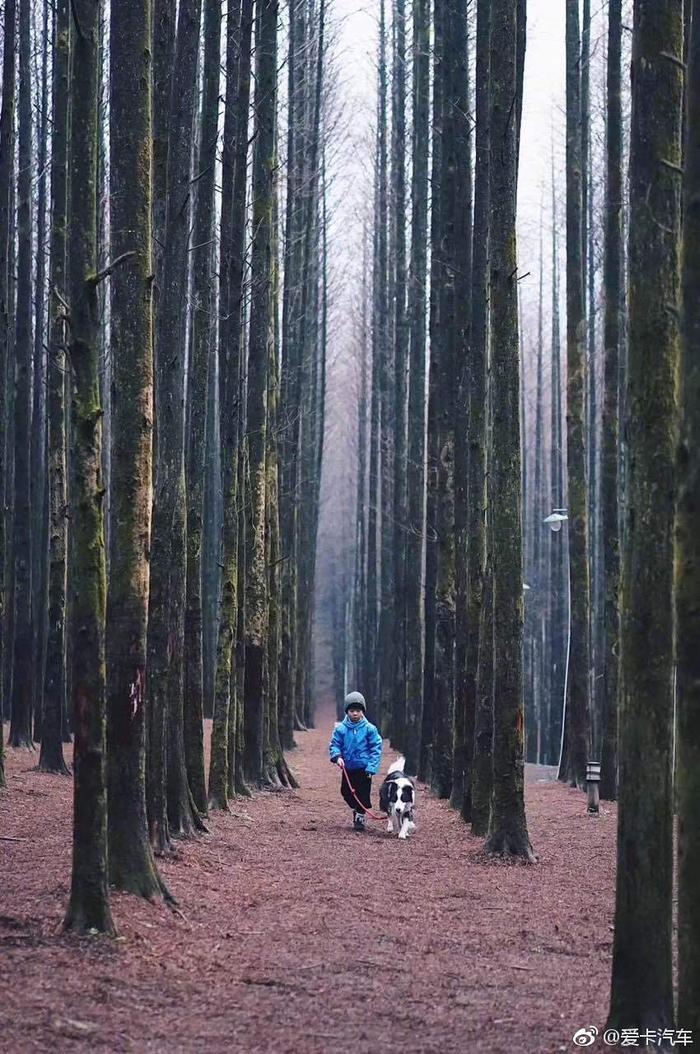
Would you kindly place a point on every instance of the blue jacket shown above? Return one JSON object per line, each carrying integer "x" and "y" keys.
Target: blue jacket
{"x": 359, "y": 745}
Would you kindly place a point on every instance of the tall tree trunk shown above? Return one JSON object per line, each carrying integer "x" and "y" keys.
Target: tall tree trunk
{"x": 508, "y": 835}
{"x": 23, "y": 667}
{"x": 131, "y": 863}
{"x": 642, "y": 991}
{"x": 401, "y": 335}
{"x": 232, "y": 247}
{"x": 385, "y": 348}
{"x": 38, "y": 481}
{"x": 7, "y": 121}
{"x": 261, "y": 334}
{"x": 577, "y": 701}
{"x": 360, "y": 585}
{"x": 611, "y": 409}
{"x": 476, "y": 429}
{"x": 88, "y": 908}
{"x": 51, "y": 757}
{"x": 170, "y": 806}
{"x": 687, "y": 561}
{"x": 373, "y": 579}
{"x": 290, "y": 408}
{"x": 458, "y": 201}
{"x": 164, "y": 15}
{"x": 447, "y": 336}
{"x": 202, "y": 361}
{"x": 415, "y": 482}
{"x": 434, "y": 396}
{"x": 310, "y": 381}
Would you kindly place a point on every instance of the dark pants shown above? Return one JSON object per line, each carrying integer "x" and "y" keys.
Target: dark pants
{"x": 362, "y": 785}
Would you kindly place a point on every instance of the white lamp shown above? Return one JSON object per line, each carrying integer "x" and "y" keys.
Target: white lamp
{"x": 555, "y": 519}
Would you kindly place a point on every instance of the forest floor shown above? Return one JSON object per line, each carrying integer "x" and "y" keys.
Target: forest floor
{"x": 298, "y": 935}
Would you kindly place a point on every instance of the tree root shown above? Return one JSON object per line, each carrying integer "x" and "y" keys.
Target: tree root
{"x": 287, "y": 777}
{"x": 510, "y": 846}
{"x": 53, "y": 770}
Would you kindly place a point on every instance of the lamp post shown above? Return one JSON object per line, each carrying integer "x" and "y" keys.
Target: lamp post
{"x": 554, "y": 521}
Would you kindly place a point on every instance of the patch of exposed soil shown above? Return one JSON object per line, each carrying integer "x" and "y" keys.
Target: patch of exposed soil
{"x": 300, "y": 936}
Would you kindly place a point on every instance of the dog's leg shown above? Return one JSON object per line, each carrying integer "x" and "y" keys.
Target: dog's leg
{"x": 390, "y": 825}
{"x": 405, "y": 826}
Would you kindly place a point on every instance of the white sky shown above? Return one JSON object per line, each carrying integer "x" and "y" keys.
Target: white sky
{"x": 356, "y": 42}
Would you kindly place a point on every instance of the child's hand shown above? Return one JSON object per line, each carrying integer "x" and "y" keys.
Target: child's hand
{"x": 340, "y": 762}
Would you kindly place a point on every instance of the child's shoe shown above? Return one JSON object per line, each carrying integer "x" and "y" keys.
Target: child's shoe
{"x": 358, "y": 821}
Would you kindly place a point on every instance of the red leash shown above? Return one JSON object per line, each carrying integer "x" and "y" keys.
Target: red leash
{"x": 366, "y": 811}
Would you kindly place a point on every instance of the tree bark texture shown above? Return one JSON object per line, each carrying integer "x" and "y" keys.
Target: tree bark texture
{"x": 201, "y": 362}
{"x": 508, "y": 835}
{"x": 131, "y": 862}
{"x": 387, "y": 400}
{"x": 611, "y": 404}
{"x": 51, "y": 757}
{"x": 88, "y": 908}
{"x": 261, "y": 334}
{"x": 235, "y": 161}
{"x": 577, "y": 701}
{"x": 7, "y": 120}
{"x": 430, "y": 675}
{"x": 23, "y": 667}
{"x": 457, "y": 203}
{"x": 415, "y": 482}
{"x": 170, "y": 806}
{"x": 641, "y": 993}
{"x": 687, "y": 562}
{"x": 401, "y": 335}
{"x": 476, "y": 388}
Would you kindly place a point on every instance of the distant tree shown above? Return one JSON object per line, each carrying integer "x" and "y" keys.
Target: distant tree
{"x": 387, "y": 409}
{"x": 23, "y": 669}
{"x": 415, "y": 542}
{"x": 457, "y": 198}
{"x": 232, "y": 262}
{"x": 642, "y": 990}
{"x": 261, "y": 334}
{"x": 577, "y": 700}
{"x": 88, "y": 908}
{"x": 401, "y": 351}
{"x": 448, "y": 334}
{"x": 687, "y": 560}
{"x": 612, "y": 283}
{"x": 54, "y": 684}
{"x": 38, "y": 477}
{"x": 435, "y": 672}
{"x": 311, "y": 405}
{"x": 508, "y": 834}
{"x": 290, "y": 387}
{"x": 7, "y": 121}
{"x": 378, "y": 341}
{"x": 202, "y": 360}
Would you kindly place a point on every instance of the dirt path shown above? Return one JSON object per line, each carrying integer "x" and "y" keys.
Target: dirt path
{"x": 300, "y": 936}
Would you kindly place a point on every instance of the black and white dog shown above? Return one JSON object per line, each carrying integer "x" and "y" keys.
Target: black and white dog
{"x": 397, "y": 798}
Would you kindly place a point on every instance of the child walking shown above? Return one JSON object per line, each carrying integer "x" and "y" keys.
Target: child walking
{"x": 356, "y": 746}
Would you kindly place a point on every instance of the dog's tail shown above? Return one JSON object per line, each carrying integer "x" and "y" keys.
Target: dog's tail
{"x": 397, "y": 766}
